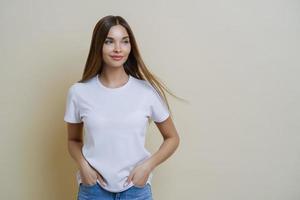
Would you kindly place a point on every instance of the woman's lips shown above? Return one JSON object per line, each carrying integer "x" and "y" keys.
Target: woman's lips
{"x": 117, "y": 57}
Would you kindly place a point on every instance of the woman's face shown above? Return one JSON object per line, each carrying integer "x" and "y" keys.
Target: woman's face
{"x": 117, "y": 43}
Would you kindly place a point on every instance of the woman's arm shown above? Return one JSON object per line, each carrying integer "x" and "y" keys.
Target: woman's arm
{"x": 75, "y": 143}
{"x": 140, "y": 174}
{"x": 168, "y": 147}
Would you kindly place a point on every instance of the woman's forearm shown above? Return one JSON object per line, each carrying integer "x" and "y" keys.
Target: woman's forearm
{"x": 167, "y": 148}
{"x": 75, "y": 150}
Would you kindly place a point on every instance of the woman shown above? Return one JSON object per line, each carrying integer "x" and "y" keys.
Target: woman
{"x": 114, "y": 102}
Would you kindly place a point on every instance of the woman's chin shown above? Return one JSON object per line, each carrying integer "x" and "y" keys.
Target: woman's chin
{"x": 116, "y": 64}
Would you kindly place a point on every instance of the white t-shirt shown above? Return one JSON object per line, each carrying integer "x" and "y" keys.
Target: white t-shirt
{"x": 115, "y": 124}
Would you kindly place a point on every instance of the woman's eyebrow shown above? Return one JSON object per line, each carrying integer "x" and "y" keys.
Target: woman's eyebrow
{"x": 113, "y": 38}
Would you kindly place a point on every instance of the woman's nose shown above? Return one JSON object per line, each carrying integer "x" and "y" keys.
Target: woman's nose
{"x": 117, "y": 47}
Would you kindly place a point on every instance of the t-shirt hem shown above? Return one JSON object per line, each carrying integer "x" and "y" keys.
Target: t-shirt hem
{"x": 78, "y": 178}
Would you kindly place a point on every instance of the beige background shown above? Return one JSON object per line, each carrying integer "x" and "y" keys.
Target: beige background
{"x": 236, "y": 62}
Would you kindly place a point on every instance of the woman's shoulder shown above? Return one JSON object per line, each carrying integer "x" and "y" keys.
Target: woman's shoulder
{"x": 143, "y": 85}
{"x": 145, "y": 88}
{"x": 77, "y": 87}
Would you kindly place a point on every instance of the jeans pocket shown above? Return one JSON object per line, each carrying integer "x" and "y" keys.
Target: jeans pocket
{"x": 139, "y": 192}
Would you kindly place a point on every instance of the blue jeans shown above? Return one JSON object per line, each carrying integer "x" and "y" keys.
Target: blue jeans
{"x": 96, "y": 192}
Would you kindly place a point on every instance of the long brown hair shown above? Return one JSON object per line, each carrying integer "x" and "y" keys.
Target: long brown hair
{"x": 134, "y": 64}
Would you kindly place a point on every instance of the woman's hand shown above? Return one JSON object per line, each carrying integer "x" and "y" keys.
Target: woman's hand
{"x": 89, "y": 175}
{"x": 139, "y": 175}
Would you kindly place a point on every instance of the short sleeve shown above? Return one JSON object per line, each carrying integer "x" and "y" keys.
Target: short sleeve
{"x": 159, "y": 109}
{"x": 72, "y": 113}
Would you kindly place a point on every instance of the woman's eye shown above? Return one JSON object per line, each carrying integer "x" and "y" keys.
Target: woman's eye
{"x": 107, "y": 41}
